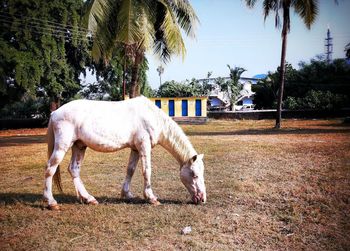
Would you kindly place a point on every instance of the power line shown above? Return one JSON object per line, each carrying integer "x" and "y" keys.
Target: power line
{"x": 42, "y": 26}
{"x": 40, "y": 21}
{"x": 15, "y": 25}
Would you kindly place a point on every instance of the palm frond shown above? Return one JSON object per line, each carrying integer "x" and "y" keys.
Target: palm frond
{"x": 272, "y": 5}
{"x": 103, "y": 44}
{"x": 185, "y": 15}
{"x": 147, "y": 29}
{"x": 128, "y": 20}
{"x": 96, "y": 11}
{"x": 251, "y": 3}
{"x": 172, "y": 35}
{"x": 100, "y": 12}
{"x": 307, "y": 10}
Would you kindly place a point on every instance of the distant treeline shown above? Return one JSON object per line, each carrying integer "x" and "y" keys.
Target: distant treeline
{"x": 316, "y": 85}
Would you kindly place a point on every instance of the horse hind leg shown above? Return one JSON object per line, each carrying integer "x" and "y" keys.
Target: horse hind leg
{"x": 145, "y": 154}
{"x": 78, "y": 152}
{"x": 55, "y": 159}
{"x": 133, "y": 160}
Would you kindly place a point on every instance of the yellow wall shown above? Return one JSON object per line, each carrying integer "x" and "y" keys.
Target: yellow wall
{"x": 178, "y": 105}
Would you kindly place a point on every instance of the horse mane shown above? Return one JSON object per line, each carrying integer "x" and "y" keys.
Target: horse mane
{"x": 173, "y": 137}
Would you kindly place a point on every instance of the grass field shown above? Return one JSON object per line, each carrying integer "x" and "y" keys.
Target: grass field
{"x": 267, "y": 189}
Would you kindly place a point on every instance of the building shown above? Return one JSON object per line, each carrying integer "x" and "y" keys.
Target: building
{"x": 220, "y": 100}
{"x": 186, "y": 109}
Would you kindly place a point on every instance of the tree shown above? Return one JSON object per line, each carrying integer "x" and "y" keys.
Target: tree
{"x": 307, "y": 10}
{"x": 266, "y": 91}
{"x": 313, "y": 79}
{"x": 160, "y": 71}
{"x": 110, "y": 78}
{"x": 347, "y": 51}
{"x": 234, "y": 87}
{"x": 138, "y": 26}
{"x": 182, "y": 89}
{"x": 231, "y": 86}
{"x": 42, "y": 49}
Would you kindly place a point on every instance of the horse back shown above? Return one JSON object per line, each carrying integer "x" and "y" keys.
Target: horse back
{"x": 108, "y": 126}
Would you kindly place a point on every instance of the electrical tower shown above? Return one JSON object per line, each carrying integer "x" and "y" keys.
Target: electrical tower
{"x": 329, "y": 46}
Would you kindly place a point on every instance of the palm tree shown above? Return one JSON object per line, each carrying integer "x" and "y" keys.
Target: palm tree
{"x": 160, "y": 71}
{"x": 307, "y": 10}
{"x": 233, "y": 84}
{"x": 138, "y": 26}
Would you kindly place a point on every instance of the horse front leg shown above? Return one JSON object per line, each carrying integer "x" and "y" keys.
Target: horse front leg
{"x": 133, "y": 160}
{"x": 145, "y": 153}
{"x": 78, "y": 153}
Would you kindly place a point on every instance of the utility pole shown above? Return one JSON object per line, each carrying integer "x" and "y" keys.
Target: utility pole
{"x": 329, "y": 47}
{"x": 160, "y": 71}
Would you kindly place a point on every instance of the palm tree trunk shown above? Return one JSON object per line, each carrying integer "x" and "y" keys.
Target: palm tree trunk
{"x": 282, "y": 66}
{"x": 135, "y": 86}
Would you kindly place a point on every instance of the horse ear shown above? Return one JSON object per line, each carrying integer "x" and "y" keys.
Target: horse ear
{"x": 193, "y": 159}
{"x": 200, "y": 156}
{"x": 196, "y": 157}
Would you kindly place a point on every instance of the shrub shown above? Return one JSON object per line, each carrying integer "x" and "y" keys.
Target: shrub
{"x": 27, "y": 108}
{"x": 317, "y": 100}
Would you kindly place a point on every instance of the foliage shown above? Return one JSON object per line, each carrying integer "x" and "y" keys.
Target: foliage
{"x": 183, "y": 89}
{"x": 266, "y": 91}
{"x": 347, "y": 51}
{"x": 316, "y": 85}
{"x": 139, "y": 26}
{"x": 231, "y": 86}
{"x": 148, "y": 24}
{"x": 42, "y": 49}
{"x": 206, "y": 84}
{"x": 28, "y": 107}
{"x": 316, "y": 100}
{"x": 109, "y": 85}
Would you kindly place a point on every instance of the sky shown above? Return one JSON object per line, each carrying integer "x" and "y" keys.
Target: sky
{"x": 230, "y": 33}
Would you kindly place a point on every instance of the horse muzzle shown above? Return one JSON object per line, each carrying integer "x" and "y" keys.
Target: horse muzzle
{"x": 199, "y": 198}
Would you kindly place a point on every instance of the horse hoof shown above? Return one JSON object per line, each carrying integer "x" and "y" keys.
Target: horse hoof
{"x": 155, "y": 202}
{"x": 54, "y": 207}
{"x": 127, "y": 195}
{"x": 93, "y": 202}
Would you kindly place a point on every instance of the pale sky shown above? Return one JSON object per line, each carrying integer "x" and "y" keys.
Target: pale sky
{"x": 230, "y": 33}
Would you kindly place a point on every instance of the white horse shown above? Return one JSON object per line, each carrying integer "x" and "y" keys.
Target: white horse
{"x": 109, "y": 126}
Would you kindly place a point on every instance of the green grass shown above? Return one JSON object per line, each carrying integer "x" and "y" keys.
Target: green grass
{"x": 267, "y": 189}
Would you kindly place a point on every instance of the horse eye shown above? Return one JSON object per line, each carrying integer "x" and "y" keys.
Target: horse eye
{"x": 194, "y": 176}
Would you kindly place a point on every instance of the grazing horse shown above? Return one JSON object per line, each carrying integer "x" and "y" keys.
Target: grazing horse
{"x": 109, "y": 126}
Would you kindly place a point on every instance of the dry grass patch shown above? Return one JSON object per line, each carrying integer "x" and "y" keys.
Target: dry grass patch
{"x": 267, "y": 189}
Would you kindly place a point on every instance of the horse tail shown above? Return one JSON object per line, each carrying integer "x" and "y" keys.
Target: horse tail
{"x": 50, "y": 147}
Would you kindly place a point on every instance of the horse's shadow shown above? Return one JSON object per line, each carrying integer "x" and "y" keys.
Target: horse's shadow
{"x": 36, "y": 200}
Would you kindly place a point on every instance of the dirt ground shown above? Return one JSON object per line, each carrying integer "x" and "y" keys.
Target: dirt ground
{"x": 267, "y": 189}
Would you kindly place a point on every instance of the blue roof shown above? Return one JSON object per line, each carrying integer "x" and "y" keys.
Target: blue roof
{"x": 260, "y": 76}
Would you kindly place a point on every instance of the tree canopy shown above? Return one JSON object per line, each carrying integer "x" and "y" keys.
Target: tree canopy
{"x": 43, "y": 48}
{"x": 139, "y": 26}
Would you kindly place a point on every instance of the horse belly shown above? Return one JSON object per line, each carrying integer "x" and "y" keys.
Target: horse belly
{"x": 104, "y": 139}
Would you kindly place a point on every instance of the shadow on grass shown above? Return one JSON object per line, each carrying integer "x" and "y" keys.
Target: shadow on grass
{"x": 21, "y": 140}
{"x": 32, "y": 200}
{"x": 35, "y": 139}
{"x": 335, "y": 128}
{"x": 283, "y": 131}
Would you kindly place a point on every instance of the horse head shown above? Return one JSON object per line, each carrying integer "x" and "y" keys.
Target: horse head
{"x": 192, "y": 176}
